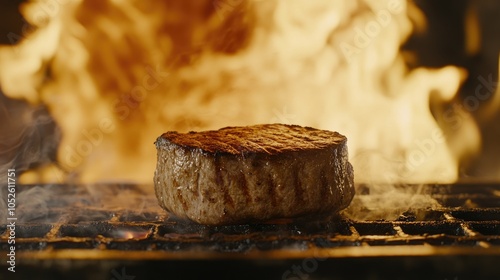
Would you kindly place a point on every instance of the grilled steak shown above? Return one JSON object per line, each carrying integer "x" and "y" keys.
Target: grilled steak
{"x": 253, "y": 174}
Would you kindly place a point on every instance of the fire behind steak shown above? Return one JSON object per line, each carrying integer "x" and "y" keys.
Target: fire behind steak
{"x": 253, "y": 174}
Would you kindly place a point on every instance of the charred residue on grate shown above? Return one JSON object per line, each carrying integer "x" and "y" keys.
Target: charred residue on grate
{"x": 130, "y": 216}
{"x": 32, "y": 230}
{"x": 477, "y": 214}
{"x": 432, "y": 228}
{"x": 375, "y": 228}
{"x": 486, "y": 228}
{"x": 105, "y": 229}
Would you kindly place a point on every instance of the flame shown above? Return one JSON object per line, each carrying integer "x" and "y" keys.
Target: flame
{"x": 117, "y": 74}
{"x": 127, "y": 234}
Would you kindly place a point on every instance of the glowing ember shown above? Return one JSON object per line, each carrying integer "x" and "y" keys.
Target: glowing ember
{"x": 116, "y": 74}
{"x": 130, "y": 234}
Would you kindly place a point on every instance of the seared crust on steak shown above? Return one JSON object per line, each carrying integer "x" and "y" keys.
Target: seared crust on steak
{"x": 253, "y": 174}
{"x": 270, "y": 139}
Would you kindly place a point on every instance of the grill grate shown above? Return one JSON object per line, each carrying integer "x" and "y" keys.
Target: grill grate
{"x": 93, "y": 218}
{"x": 119, "y": 232}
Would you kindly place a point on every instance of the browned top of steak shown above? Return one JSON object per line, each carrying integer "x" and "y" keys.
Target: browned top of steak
{"x": 266, "y": 138}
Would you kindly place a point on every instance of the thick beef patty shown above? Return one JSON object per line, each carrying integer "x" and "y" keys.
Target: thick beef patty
{"x": 253, "y": 174}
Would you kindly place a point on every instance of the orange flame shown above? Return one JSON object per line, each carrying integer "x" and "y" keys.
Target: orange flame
{"x": 116, "y": 74}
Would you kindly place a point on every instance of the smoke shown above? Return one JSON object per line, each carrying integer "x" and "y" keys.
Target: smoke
{"x": 69, "y": 203}
{"x": 31, "y": 203}
{"x": 388, "y": 201}
{"x": 29, "y": 137}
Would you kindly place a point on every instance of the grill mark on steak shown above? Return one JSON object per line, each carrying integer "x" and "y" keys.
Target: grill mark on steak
{"x": 218, "y": 173}
{"x": 181, "y": 199}
{"x": 325, "y": 186}
{"x": 271, "y": 190}
{"x": 228, "y": 200}
{"x": 208, "y": 196}
{"x": 242, "y": 178}
{"x": 242, "y": 182}
{"x": 299, "y": 191}
{"x": 198, "y": 186}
